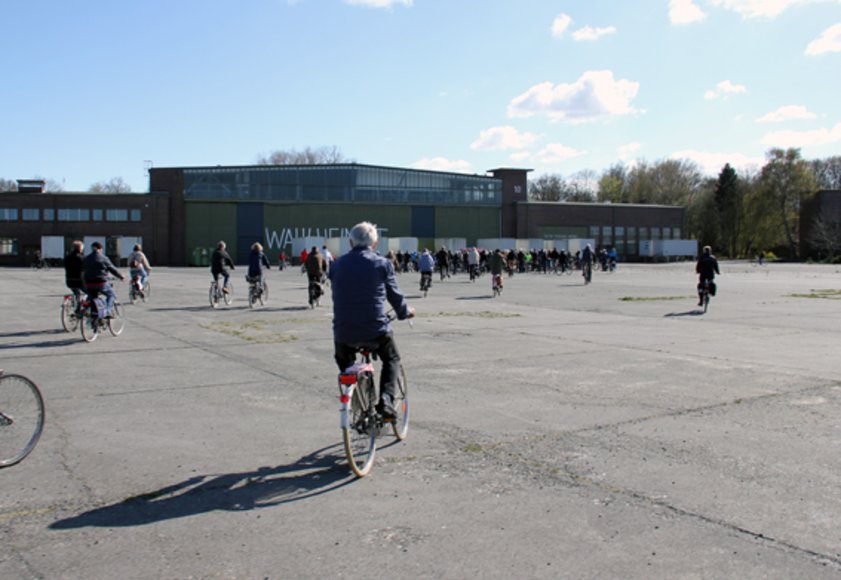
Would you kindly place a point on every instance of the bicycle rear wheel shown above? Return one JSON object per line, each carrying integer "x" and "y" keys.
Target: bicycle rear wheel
{"x": 21, "y": 418}
{"x": 116, "y": 323}
{"x": 360, "y": 436}
{"x": 400, "y": 426}
{"x": 69, "y": 320}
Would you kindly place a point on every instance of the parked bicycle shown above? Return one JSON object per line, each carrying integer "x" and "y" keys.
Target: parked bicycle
{"x": 219, "y": 294}
{"x": 138, "y": 291}
{"x": 360, "y": 422}
{"x": 21, "y": 417}
{"x": 96, "y": 317}
{"x": 257, "y": 292}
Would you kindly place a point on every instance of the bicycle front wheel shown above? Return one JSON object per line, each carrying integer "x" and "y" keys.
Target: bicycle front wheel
{"x": 21, "y": 418}
{"x": 89, "y": 326}
{"x": 147, "y": 291}
{"x": 229, "y": 295}
{"x": 264, "y": 295}
{"x": 360, "y": 437}
{"x": 116, "y": 323}
{"x": 213, "y": 296}
{"x": 69, "y": 320}
{"x": 251, "y": 296}
{"x": 400, "y": 426}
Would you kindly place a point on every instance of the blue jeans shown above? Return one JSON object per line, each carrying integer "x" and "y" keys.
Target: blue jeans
{"x": 107, "y": 291}
{"x": 144, "y": 275}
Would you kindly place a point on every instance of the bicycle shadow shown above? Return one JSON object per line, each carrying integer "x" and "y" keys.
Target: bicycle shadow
{"x": 485, "y": 297}
{"x": 206, "y": 307}
{"x": 312, "y": 475}
{"x": 696, "y": 312}
{"x": 44, "y": 343}
{"x": 26, "y": 333}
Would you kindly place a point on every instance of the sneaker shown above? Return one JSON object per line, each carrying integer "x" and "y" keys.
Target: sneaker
{"x": 386, "y": 408}
{"x": 224, "y": 290}
{"x": 700, "y": 303}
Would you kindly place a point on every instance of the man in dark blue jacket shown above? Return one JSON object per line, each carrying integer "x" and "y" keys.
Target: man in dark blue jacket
{"x": 97, "y": 266}
{"x": 362, "y": 282}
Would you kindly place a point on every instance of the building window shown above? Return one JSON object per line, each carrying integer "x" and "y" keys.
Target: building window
{"x": 97, "y": 215}
{"x": 8, "y": 247}
{"x": 31, "y": 214}
{"x": 74, "y": 215}
{"x": 644, "y": 234}
{"x": 594, "y": 232}
{"x": 8, "y": 214}
{"x": 676, "y": 233}
{"x": 607, "y": 236}
{"x": 116, "y": 215}
{"x": 655, "y": 234}
{"x": 667, "y": 233}
{"x": 135, "y": 215}
{"x": 49, "y": 214}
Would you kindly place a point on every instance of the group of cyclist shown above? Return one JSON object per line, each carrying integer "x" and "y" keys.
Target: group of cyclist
{"x": 91, "y": 274}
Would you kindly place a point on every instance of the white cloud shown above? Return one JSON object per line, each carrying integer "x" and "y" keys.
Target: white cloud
{"x": 684, "y": 12}
{"x": 627, "y": 150}
{"x": 786, "y": 139}
{"x": 560, "y": 24}
{"x": 828, "y": 41}
{"x": 787, "y": 113}
{"x": 520, "y": 156}
{"x": 595, "y": 95}
{"x": 378, "y": 3}
{"x": 501, "y": 138}
{"x": 590, "y": 33}
{"x": 724, "y": 89}
{"x": 443, "y": 164}
{"x": 762, "y": 8}
{"x": 712, "y": 163}
{"x": 556, "y": 153}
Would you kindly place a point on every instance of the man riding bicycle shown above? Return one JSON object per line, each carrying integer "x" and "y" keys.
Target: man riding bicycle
{"x": 258, "y": 263}
{"x": 97, "y": 266}
{"x": 139, "y": 265}
{"x": 74, "y": 268}
{"x": 426, "y": 265}
{"x": 706, "y": 268}
{"x": 220, "y": 261}
{"x": 362, "y": 282}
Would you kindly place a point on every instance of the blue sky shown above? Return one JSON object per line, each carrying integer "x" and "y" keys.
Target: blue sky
{"x": 95, "y": 88}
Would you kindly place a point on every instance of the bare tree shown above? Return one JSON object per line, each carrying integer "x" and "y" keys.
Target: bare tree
{"x": 306, "y": 156}
{"x": 826, "y": 234}
{"x": 114, "y": 185}
{"x": 8, "y": 185}
{"x": 827, "y": 172}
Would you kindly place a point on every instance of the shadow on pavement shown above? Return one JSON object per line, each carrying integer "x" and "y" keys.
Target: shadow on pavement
{"x": 317, "y": 473}
{"x": 474, "y": 297}
{"x": 687, "y": 313}
{"x": 25, "y": 333}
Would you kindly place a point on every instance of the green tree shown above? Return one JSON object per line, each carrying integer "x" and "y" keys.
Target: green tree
{"x": 612, "y": 184}
{"x": 785, "y": 180}
{"x": 702, "y": 218}
{"x": 728, "y": 203}
{"x": 547, "y": 187}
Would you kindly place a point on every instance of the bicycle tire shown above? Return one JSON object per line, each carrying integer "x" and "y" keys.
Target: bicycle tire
{"x": 264, "y": 294}
{"x": 147, "y": 291}
{"x": 89, "y": 327}
{"x": 228, "y": 296}
{"x": 251, "y": 297}
{"x": 21, "y": 418}
{"x": 214, "y": 296}
{"x": 400, "y": 426}
{"x": 116, "y": 324}
{"x": 69, "y": 320}
{"x": 706, "y": 301}
{"x": 360, "y": 436}
{"x": 132, "y": 294}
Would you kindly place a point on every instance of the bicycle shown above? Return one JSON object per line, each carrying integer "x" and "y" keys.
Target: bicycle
{"x": 474, "y": 272}
{"x": 71, "y": 312}
{"x": 706, "y": 292}
{"x": 587, "y": 272}
{"x": 314, "y": 292}
{"x": 218, "y": 294}
{"x": 257, "y": 292}
{"x": 360, "y": 422}
{"x": 40, "y": 264}
{"x": 496, "y": 285}
{"x": 21, "y": 417}
{"x": 425, "y": 282}
{"x": 136, "y": 291}
{"x": 96, "y": 316}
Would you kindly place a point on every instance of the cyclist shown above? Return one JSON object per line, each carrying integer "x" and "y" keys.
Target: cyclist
{"x": 497, "y": 264}
{"x": 256, "y": 261}
{"x": 706, "y": 268}
{"x": 139, "y": 265}
{"x": 97, "y": 266}
{"x": 587, "y": 263}
{"x": 426, "y": 264}
{"x": 442, "y": 258}
{"x": 362, "y": 282}
{"x": 473, "y": 262}
{"x": 316, "y": 268}
{"x": 73, "y": 269}
{"x": 220, "y": 261}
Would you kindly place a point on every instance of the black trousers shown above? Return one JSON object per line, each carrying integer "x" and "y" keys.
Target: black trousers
{"x": 385, "y": 349}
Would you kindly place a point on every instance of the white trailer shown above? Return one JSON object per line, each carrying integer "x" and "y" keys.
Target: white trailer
{"x": 491, "y": 244}
{"x": 52, "y": 247}
{"x": 452, "y": 244}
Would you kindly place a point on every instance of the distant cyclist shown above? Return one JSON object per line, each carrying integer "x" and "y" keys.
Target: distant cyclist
{"x": 139, "y": 265}
{"x": 363, "y": 283}
{"x": 258, "y": 263}
{"x": 497, "y": 264}
{"x": 220, "y": 262}
{"x": 74, "y": 268}
{"x": 426, "y": 264}
{"x": 706, "y": 268}
{"x": 587, "y": 258}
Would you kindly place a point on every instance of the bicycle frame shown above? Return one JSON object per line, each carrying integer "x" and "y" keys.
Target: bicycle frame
{"x": 348, "y": 381}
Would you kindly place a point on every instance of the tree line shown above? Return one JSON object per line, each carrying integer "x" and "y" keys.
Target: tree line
{"x": 738, "y": 214}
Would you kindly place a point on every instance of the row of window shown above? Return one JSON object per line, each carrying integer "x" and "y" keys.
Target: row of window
{"x": 33, "y": 214}
{"x": 607, "y": 233}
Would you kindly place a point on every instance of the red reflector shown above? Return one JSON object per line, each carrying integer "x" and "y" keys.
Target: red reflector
{"x": 344, "y": 399}
{"x": 347, "y": 379}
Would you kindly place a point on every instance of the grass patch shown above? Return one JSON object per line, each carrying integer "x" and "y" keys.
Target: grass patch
{"x": 481, "y": 314}
{"x": 825, "y": 294}
{"x": 253, "y": 331}
{"x": 652, "y": 298}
